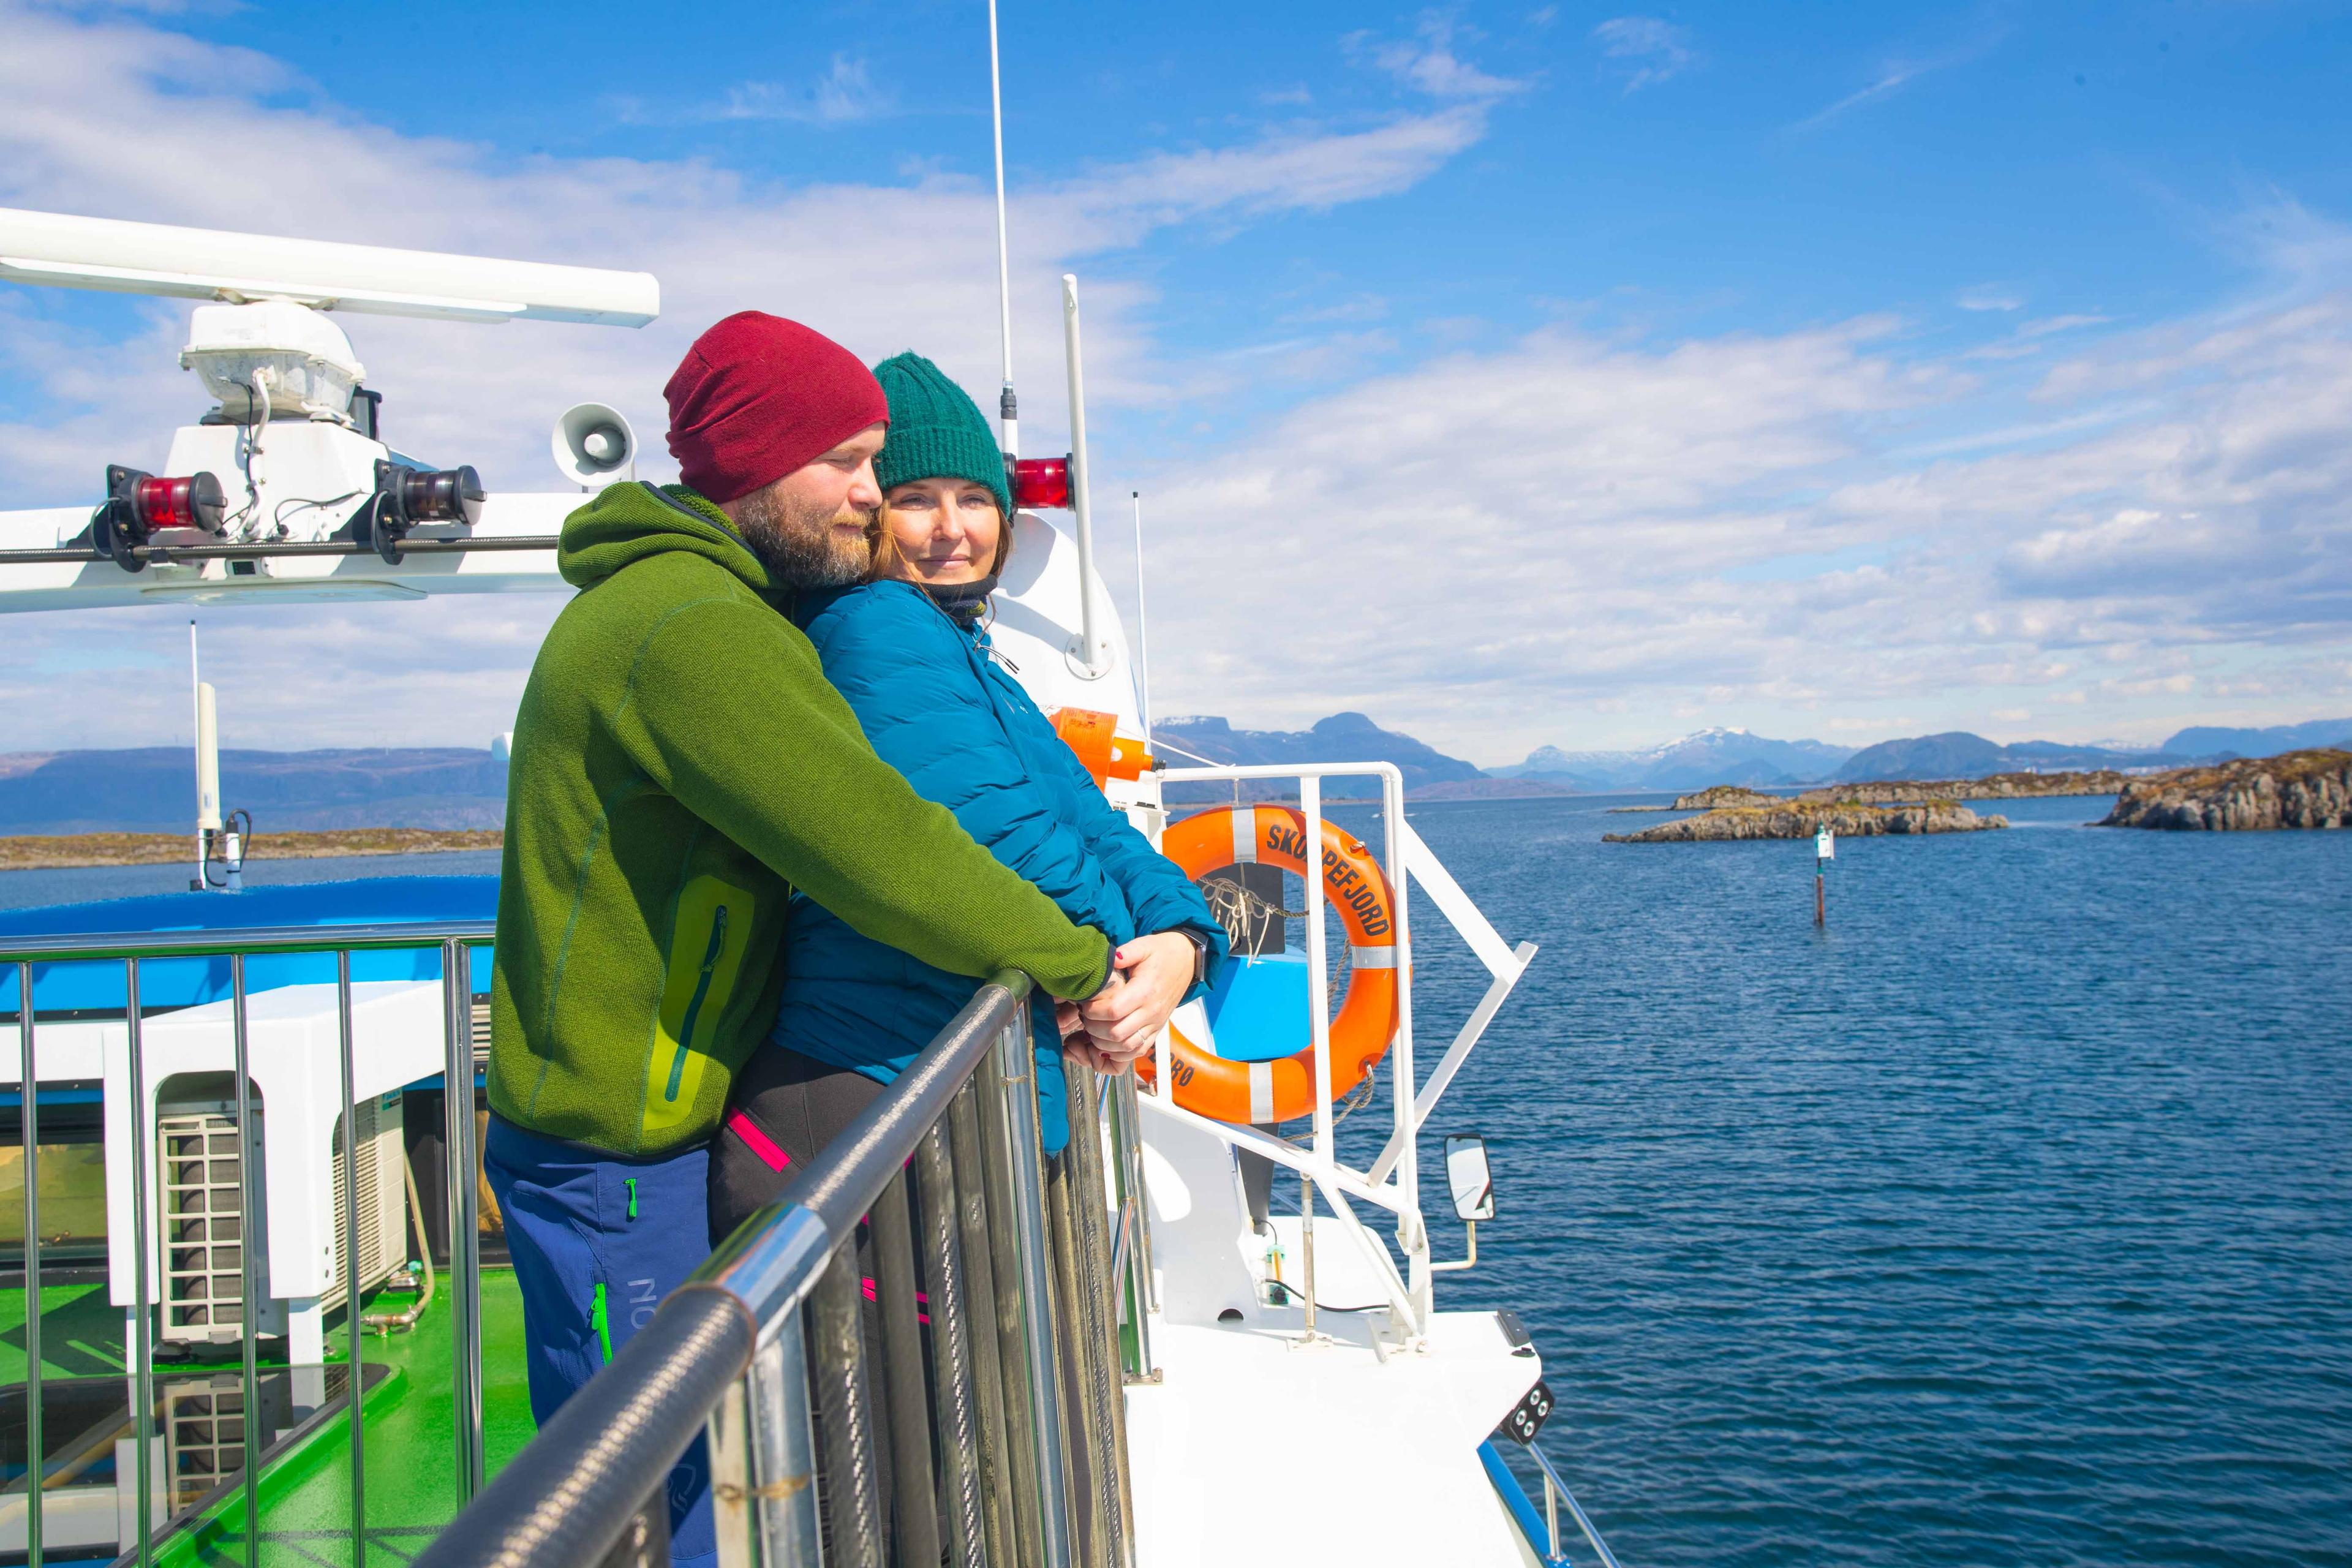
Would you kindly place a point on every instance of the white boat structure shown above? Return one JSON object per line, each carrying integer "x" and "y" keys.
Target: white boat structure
{"x": 1160, "y": 1366}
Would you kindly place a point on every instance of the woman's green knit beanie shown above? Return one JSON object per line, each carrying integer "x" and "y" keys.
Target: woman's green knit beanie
{"x": 936, "y": 431}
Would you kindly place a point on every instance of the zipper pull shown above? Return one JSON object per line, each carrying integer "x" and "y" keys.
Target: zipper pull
{"x": 631, "y": 1183}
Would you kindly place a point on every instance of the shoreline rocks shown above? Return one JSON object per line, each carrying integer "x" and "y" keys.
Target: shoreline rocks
{"x": 2297, "y": 789}
{"x": 57, "y": 852}
{"x": 1783, "y": 819}
{"x": 1998, "y": 786}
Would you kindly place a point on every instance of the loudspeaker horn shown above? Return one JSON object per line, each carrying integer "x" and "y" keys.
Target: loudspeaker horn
{"x": 594, "y": 446}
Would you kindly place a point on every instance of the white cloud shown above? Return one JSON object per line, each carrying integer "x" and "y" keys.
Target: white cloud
{"x": 1989, "y": 297}
{"x": 719, "y": 242}
{"x": 1895, "y": 74}
{"x": 1648, "y": 49}
{"x": 1427, "y": 62}
{"x": 844, "y": 95}
{"x": 1482, "y": 549}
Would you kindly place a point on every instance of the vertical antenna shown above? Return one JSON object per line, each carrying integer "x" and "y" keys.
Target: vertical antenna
{"x": 1008, "y": 407}
{"x": 1142, "y": 630}
{"x": 196, "y": 741}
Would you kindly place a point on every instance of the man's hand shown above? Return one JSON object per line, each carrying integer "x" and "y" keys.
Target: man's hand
{"x": 1123, "y": 1017}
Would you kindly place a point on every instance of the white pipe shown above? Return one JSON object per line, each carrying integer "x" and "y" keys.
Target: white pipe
{"x": 1007, "y": 407}
{"x": 1090, "y": 662}
{"x": 1142, "y": 631}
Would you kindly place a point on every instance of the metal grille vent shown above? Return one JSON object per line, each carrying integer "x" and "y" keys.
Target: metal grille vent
{"x": 203, "y": 1436}
{"x": 373, "y": 1264}
{"x": 203, "y": 1230}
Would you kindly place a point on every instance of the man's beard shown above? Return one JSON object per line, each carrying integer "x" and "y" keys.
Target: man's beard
{"x": 800, "y": 548}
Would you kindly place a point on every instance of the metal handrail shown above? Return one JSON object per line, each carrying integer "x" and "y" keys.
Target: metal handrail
{"x": 106, "y": 946}
{"x": 1555, "y": 1493}
{"x": 1012, "y": 1396}
{"x": 773, "y": 1260}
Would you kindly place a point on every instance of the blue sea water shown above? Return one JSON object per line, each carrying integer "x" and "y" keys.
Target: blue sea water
{"x": 2005, "y": 1219}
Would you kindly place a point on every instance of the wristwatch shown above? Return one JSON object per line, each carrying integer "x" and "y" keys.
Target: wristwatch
{"x": 1200, "y": 954}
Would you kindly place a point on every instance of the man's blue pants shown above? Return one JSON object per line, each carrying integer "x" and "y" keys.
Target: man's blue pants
{"x": 597, "y": 1241}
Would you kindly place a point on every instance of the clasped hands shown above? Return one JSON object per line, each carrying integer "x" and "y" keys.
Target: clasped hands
{"x": 1148, "y": 977}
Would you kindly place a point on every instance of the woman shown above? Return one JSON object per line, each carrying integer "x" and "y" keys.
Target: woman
{"x": 909, "y": 650}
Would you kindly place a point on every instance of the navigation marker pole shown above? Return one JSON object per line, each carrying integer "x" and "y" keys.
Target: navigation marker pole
{"x": 1824, "y": 851}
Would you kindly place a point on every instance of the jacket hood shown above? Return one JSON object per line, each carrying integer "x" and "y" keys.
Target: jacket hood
{"x": 625, "y": 523}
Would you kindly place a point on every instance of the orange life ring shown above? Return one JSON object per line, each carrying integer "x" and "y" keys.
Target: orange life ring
{"x": 1264, "y": 1092}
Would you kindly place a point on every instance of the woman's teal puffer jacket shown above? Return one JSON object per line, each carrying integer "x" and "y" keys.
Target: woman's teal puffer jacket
{"x": 939, "y": 709}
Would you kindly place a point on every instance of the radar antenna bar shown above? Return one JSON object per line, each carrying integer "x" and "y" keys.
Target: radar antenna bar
{"x": 116, "y": 257}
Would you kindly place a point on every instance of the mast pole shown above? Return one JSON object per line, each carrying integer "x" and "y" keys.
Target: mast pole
{"x": 1142, "y": 630}
{"x": 1008, "y": 407}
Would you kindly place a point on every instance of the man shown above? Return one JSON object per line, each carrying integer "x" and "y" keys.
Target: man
{"x": 679, "y": 765}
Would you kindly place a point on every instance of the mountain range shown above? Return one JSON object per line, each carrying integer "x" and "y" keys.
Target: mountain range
{"x": 1706, "y": 757}
{"x": 153, "y": 788}
{"x": 2206, "y": 741}
{"x": 1341, "y": 738}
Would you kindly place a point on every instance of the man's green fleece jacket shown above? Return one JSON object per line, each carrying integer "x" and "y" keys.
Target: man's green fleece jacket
{"x": 680, "y": 764}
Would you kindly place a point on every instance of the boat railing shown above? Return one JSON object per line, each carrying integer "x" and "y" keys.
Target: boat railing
{"x": 979, "y": 1366}
{"x": 1541, "y": 1531}
{"x": 1391, "y": 1180}
{"x": 20, "y": 958}
{"x": 1001, "y": 1430}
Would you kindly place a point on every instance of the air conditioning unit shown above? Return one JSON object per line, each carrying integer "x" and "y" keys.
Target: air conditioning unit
{"x": 199, "y": 1156}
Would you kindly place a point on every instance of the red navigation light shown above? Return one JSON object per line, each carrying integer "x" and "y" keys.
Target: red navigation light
{"x": 196, "y": 502}
{"x": 1041, "y": 481}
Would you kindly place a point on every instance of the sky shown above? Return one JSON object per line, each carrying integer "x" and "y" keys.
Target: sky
{"x": 1516, "y": 375}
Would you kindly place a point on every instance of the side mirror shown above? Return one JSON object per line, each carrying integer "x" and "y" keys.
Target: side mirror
{"x": 1467, "y": 1177}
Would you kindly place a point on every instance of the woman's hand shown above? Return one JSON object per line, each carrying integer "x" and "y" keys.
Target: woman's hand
{"x": 1125, "y": 1016}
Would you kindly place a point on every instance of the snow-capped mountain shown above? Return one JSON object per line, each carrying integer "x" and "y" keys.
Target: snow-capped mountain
{"x": 1710, "y": 756}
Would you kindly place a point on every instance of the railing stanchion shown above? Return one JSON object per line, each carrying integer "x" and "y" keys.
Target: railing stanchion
{"x": 953, "y": 1393}
{"x": 1087, "y": 1527}
{"x": 143, "y": 1374}
{"x": 783, "y": 1449}
{"x": 465, "y": 1238}
{"x": 853, "y": 1506}
{"x": 734, "y": 1497}
{"x": 1412, "y": 1236}
{"x": 248, "y": 1205}
{"x": 969, "y": 1170}
{"x": 1016, "y": 1290}
{"x": 1319, "y": 994}
{"x": 1128, "y": 1103}
{"x": 914, "y": 1497}
{"x": 353, "y": 1383}
{"x": 29, "y": 1130}
{"x": 1097, "y": 1315}
{"x": 1018, "y": 1107}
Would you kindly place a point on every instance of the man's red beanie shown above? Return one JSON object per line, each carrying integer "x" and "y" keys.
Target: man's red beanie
{"x": 758, "y": 397}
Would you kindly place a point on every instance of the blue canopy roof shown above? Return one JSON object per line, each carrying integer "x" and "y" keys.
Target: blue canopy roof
{"x": 184, "y": 982}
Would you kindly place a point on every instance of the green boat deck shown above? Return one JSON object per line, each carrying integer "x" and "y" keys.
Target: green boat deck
{"x": 409, "y": 1419}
